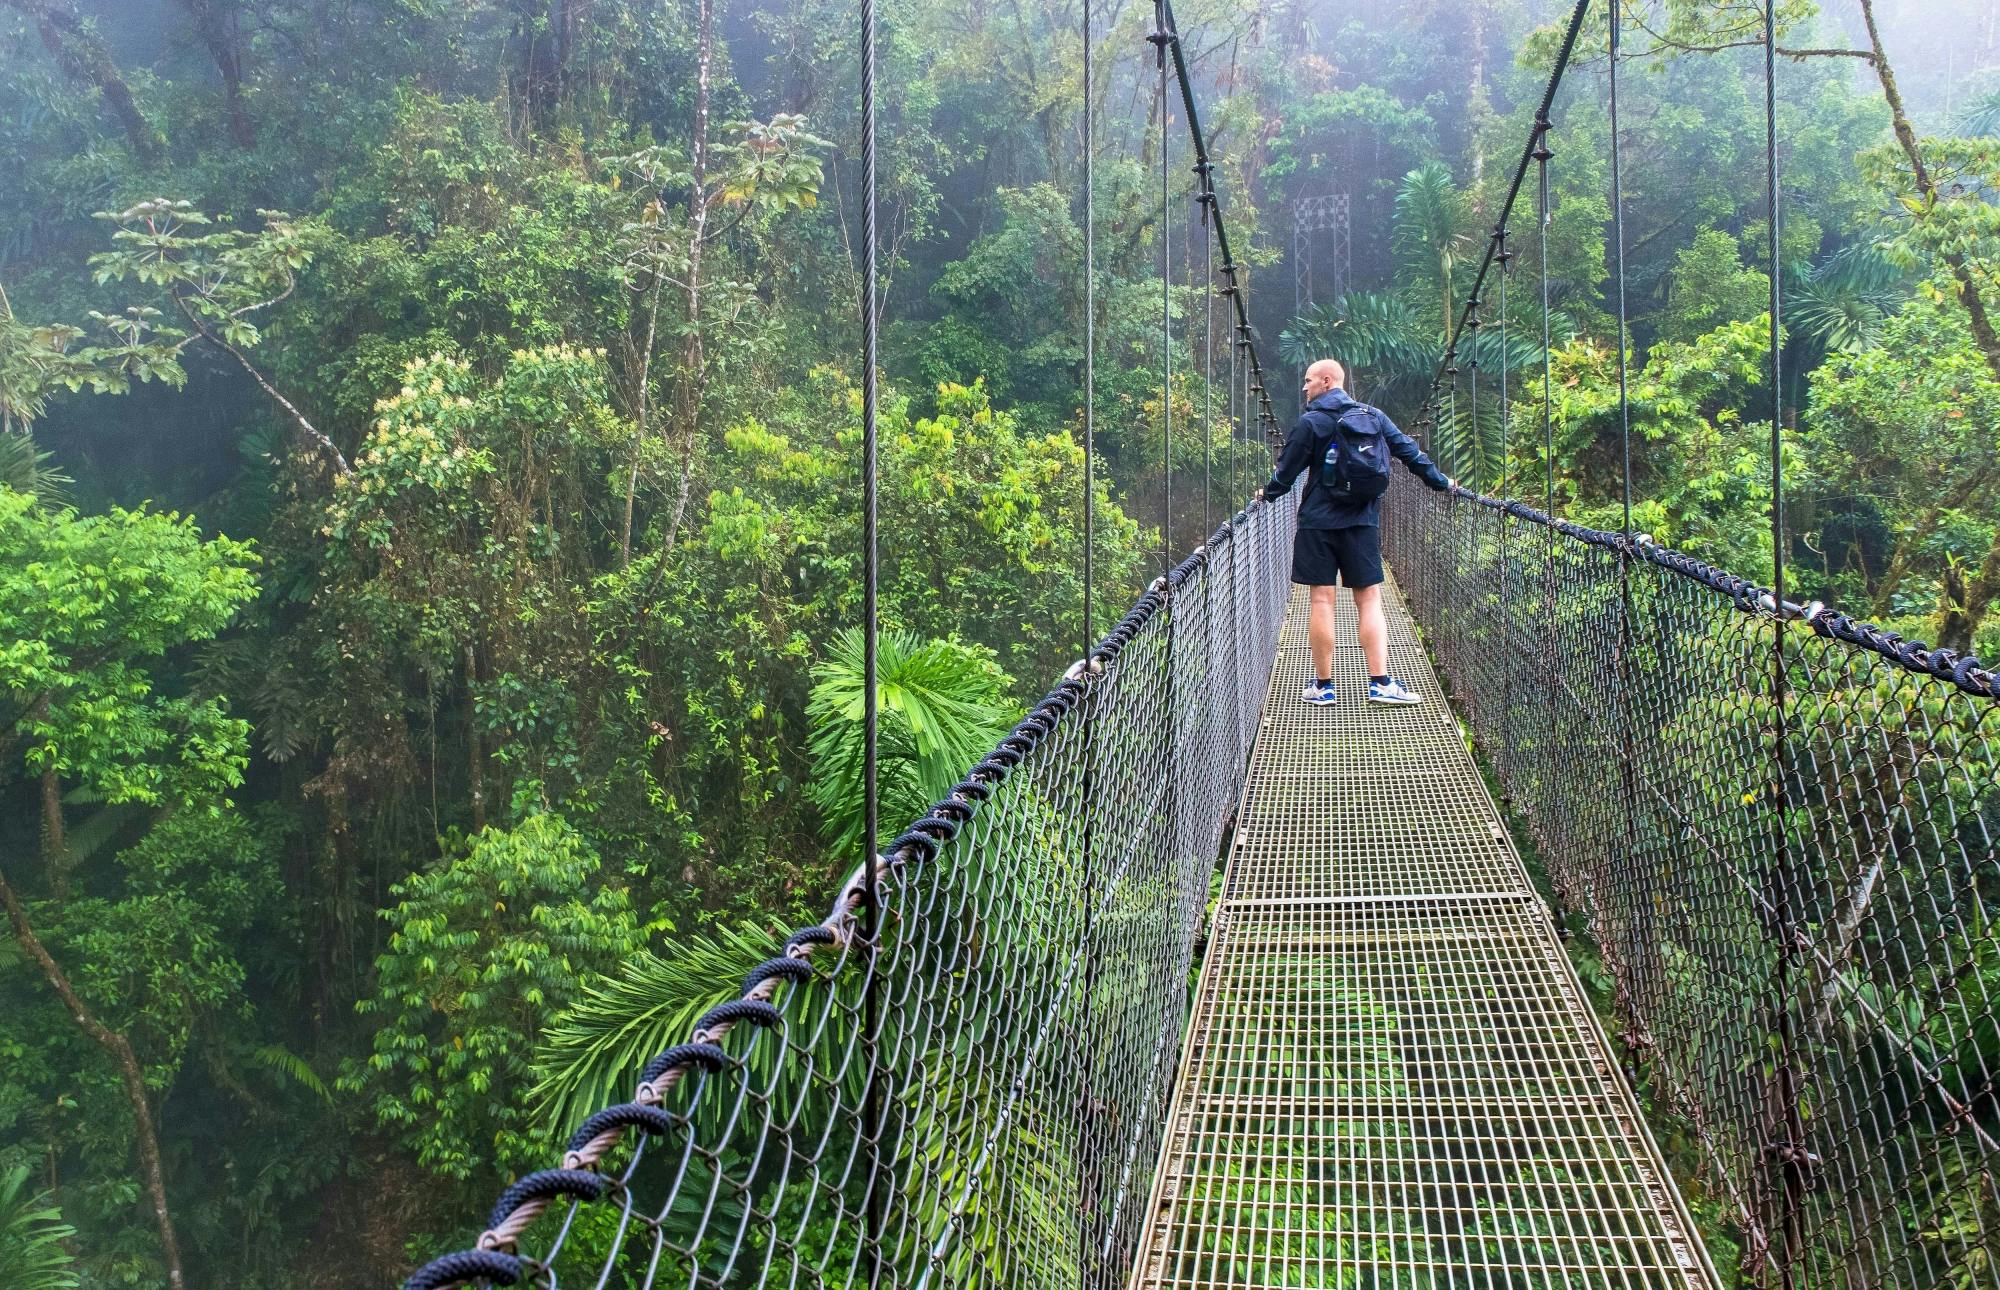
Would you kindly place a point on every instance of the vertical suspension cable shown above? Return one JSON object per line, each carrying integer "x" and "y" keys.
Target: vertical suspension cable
{"x": 1791, "y": 1153}
{"x": 1506, "y": 361}
{"x": 871, "y": 631}
{"x": 1472, "y": 389}
{"x": 1207, "y": 347}
{"x": 1542, "y": 153}
{"x": 1640, "y": 1041}
{"x": 1506, "y": 525}
{"x": 1618, "y": 243}
{"x": 1235, "y": 433}
{"x": 1089, "y": 341}
{"x": 1161, "y": 36}
{"x": 1089, "y": 1170}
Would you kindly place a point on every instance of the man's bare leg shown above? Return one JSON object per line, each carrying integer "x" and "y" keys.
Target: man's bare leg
{"x": 1319, "y": 626}
{"x": 1374, "y": 629}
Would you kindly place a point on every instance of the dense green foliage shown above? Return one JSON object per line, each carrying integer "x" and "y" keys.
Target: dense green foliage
{"x": 429, "y": 478}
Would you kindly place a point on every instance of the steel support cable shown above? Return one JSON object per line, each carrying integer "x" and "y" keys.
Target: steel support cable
{"x": 1638, "y": 1041}
{"x": 1506, "y": 476}
{"x": 1169, "y": 36}
{"x": 1206, "y": 198}
{"x": 1789, "y": 1154}
{"x": 1089, "y": 332}
{"x": 1964, "y": 671}
{"x": 1089, "y": 1240}
{"x": 871, "y": 927}
{"x": 1160, "y": 40}
{"x": 1563, "y": 53}
{"x": 1542, "y": 154}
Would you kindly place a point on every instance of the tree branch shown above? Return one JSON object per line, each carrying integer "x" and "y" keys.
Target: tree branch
{"x": 114, "y": 1043}
{"x": 312, "y": 434}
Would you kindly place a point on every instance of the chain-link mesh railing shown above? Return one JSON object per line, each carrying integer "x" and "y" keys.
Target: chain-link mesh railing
{"x": 1790, "y": 868}
{"x": 998, "y": 1124}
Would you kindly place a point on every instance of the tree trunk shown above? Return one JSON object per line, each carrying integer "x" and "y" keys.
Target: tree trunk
{"x": 314, "y": 437}
{"x": 540, "y": 29}
{"x": 1966, "y": 605}
{"x": 114, "y": 1043}
{"x": 55, "y": 841}
{"x": 687, "y": 391}
{"x": 223, "y": 39}
{"x": 81, "y": 58}
{"x": 1907, "y": 549}
{"x": 1906, "y": 135}
{"x": 1476, "y": 107}
{"x": 640, "y": 403}
{"x": 475, "y": 751}
{"x": 219, "y": 35}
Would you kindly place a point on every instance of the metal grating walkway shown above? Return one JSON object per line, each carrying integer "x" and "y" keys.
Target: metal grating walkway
{"x": 1392, "y": 1078}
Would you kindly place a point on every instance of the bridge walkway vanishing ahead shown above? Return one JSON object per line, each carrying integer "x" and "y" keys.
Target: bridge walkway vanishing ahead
{"x": 1392, "y": 1077}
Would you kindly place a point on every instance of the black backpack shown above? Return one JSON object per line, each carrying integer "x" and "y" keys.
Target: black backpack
{"x": 1357, "y": 461}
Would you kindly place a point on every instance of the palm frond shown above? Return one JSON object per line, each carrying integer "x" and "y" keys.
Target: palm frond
{"x": 1841, "y": 302}
{"x": 1981, "y": 116}
{"x": 289, "y": 1066}
{"x": 1514, "y": 351}
{"x": 1427, "y": 232}
{"x": 1369, "y": 330}
{"x": 26, "y": 469}
{"x": 942, "y": 709}
{"x": 591, "y": 1054}
{"x": 1469, "y": 439}
{"x": 33, "y": 1250}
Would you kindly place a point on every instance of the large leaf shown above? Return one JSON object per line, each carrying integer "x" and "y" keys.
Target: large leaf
{"x": 590, "y": 1056}
{"x": 942, "y": 708}
{"x": 33, "y": 1253}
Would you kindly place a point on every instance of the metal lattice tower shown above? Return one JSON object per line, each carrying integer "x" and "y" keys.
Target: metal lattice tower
{"x": 1326, "y": 213}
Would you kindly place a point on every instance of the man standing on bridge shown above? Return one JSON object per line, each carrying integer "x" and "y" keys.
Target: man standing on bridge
{"x": 1344, "y": 447}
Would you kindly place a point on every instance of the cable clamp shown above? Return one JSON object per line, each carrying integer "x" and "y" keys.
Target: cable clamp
{"x": 1796, "y": 1155}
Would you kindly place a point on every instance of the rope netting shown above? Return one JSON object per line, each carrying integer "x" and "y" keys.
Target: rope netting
{"x": 1797, "y": 913}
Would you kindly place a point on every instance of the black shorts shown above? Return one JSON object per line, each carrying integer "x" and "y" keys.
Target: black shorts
{"x": 1351, "y": 557}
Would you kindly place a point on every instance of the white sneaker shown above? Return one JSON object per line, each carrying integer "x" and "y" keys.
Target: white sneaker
{"x": 1392, "y": 691}
{"x": 1318, "y": 693}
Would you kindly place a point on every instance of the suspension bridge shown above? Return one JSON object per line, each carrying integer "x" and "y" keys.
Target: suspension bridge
{"x": 1190, "y": 985}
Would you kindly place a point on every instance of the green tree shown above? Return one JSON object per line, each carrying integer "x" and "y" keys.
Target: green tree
{"x": 1701, "y": 469}
{"x": 86, "y": 604}
{"x": 217, "y": 282}
{"x": 486, "y": 947}
{"x": 1432, "y": 236}
{"x": 1907, "y": 429}
{"x": 1709, "y": 286}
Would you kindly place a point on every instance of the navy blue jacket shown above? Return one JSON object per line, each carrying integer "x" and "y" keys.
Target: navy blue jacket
{"x": 1305, "y": 451}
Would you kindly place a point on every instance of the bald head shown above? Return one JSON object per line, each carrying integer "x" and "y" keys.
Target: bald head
{"x": 1324, "y": 375}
